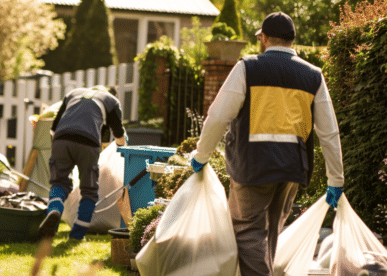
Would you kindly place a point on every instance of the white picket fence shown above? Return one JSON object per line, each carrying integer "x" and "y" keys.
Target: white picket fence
{"x": 21, "y": 98}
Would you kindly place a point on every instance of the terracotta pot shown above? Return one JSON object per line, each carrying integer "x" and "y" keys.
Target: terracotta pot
{"x": 228, "y": 50}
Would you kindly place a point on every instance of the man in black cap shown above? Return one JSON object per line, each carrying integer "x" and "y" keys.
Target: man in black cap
{"x": 272, "y": 101}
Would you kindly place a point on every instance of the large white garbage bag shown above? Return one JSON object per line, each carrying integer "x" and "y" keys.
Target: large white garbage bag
{"x": 195, "y": 234}
{"x": 296, "y": 244}
{"x": 111, "y": 176}
{"x": 351, "y": 239}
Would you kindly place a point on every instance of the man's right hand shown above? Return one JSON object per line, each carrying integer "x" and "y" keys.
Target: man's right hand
{"x": 196, "y": 165}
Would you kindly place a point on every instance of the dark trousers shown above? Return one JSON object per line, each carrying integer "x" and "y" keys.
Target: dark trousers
{"x": 258, "y": 215}
{"x": 64, "y": 156}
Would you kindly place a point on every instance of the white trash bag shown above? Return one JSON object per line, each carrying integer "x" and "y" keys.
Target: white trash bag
{"x": 297, "y": 243}
{"x": 195, "y": 235}
{"x": 352, "y": 241}
{"x": 111, "y": 176}
{"x": 352, "y": 238}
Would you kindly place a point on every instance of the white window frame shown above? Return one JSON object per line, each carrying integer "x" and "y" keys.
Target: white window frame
{"x": 143, "y": 25}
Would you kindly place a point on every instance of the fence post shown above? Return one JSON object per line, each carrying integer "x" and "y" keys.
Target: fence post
{"x": 79, "y": 77}
{"x": 101, "y": 73}
{"x": 28, "y": 111}
{"x": 135, "y": 95}
{"x": 90, "y": 81}
{"x": 44, "y": 86}
{"x": 56, "y": 88}
{"x": 21, "y": 92}
{"x": 121, "y": 86}
{"x": 68, "y": 83}
{"x": 112, "y": 73}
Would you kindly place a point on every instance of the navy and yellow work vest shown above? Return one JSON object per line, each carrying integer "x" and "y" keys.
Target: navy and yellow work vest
{"x": 271, "y": 139}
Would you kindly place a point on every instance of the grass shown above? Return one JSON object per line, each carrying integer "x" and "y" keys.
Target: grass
{"x": 67, "y": 257}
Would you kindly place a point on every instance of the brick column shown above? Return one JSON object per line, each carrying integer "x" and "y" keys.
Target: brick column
{"x": 216, "y": 73}
{"x": 158, "y": 97}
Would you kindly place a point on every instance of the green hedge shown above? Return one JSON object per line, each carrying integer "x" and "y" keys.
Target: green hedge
{"x": 356, "y": 71}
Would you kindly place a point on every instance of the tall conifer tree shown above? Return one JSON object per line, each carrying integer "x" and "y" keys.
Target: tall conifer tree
{"x": 231, "y": 17}
{"x": 89, "y": 42}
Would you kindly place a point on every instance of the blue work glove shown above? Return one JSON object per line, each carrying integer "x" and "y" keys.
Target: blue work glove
{"x": 196, "y": 165}
{"x": 333, "y": 195}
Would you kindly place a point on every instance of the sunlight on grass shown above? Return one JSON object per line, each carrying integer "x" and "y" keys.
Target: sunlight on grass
{"x": 67, "y": 257}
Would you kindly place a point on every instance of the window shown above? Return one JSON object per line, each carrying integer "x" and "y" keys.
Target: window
{"x": 126, "y": 33}
{"x": 157, "y": 29}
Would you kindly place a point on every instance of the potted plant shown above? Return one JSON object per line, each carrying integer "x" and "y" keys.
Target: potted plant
{"x": 224, "y": 44}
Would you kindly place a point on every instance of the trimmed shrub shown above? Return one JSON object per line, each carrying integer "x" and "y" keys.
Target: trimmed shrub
{"x": 231, "y": 17}
{"x": 220, "y": 31}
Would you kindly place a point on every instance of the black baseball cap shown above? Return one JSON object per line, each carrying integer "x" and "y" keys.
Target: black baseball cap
{"x": 278, "y": 24}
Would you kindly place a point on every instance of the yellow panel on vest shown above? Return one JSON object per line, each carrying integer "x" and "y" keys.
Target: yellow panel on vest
{"x": 277, "y": 110}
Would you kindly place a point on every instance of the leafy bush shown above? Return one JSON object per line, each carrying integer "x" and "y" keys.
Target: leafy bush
{"x": 140, "y": 220}
{"x": 187, "y": 146}
{"x": 356, "y": 75}
{"x": 314, "y": 55}
{"x": 150, "y": 231}
{"x": 192, "y": 42}
{"x": 168, "y": 184}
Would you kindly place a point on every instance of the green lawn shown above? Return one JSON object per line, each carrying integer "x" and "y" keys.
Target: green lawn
{"x": 67, "y": 258}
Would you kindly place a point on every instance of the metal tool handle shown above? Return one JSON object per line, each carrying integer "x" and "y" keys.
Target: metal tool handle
{"x": 29, "y": 179}
{"x": 131, "y": 184}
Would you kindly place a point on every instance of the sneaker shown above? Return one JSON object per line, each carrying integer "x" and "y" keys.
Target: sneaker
{"x": 49, "y": 225}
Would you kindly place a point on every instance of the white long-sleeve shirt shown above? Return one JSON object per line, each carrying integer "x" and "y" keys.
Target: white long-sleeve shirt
{"x": 230, "y": 100}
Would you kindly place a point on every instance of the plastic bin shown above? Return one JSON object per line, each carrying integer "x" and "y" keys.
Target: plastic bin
{"x": 136, "y": 176}
{"x": 20, "y": 225}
